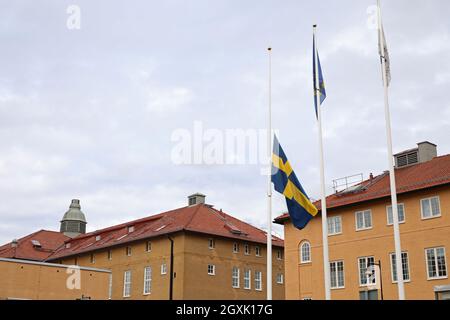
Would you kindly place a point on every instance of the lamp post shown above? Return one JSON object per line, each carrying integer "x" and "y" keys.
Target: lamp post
{"x": 368, "y": 273}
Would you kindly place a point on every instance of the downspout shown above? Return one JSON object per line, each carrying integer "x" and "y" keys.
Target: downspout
{"x": 171, "y": 268}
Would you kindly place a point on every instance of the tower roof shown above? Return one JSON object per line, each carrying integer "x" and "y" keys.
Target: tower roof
{"x": 74, "y": 213}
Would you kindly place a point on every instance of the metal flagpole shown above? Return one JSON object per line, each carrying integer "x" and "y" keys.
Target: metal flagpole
{"x": 398, "y": 250}
{"x": 326, "y": 263}
{"x": 269, "y": 185}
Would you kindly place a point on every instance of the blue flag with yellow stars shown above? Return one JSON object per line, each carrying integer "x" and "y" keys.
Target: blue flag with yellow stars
{"x": 285, "y": 182}
{"x": 319, "y": 88}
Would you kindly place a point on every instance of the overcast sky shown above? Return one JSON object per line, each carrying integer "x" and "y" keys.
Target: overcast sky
{"x": 89, "y": 113}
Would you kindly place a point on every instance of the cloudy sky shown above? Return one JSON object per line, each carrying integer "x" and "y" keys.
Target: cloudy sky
{"x": 89, "y": 113}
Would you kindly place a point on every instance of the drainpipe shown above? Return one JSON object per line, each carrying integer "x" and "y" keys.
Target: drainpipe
{"x": 171, "y": 268}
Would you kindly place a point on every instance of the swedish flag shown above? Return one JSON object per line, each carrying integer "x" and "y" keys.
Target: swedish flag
{"x": 285, "y": 182}
{"x": 319, "y": 88}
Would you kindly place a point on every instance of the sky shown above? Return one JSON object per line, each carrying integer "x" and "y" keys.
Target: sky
{"x": 89, "y": 107}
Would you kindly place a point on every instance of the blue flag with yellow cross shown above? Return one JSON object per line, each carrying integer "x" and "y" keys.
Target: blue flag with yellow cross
{"x": 301, "y": 209}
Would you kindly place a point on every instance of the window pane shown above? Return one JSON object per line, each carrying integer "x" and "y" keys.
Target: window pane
{"x": 338, "y": 226}
{"x": 389, "y": 213}
{"x": 435, "y": 206}
{"x": 362, "y": 271}
{"x": 442, "y": 268}
{"x": 367, "y": 219}
{"x": 401, "y": 213}
{"x": 340, "y": 268}
{"x": 333, "y": 275}
{"x": 359, "y": 220}
{"x": 431, "y": 263}
{"x": 426, "y": 208}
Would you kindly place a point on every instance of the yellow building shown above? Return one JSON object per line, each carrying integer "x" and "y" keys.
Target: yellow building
{"x": 212, "y": 256}
{"x": 25, "y": 279}
{"x": 361, "y": 234}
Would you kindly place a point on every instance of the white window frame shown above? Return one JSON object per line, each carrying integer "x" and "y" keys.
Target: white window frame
{"x": 148, "y": 246}
{"x": 359, "y": 272}
{"x": 211, "y": 267}
{"x": 431, "y": 208}
{"x": 280, "y": 278}
{"x": 235, "y": 247}
{"x": 128, "y": 251}
{"x": 246, "y": 249}
{"x": 258, "y": 280}
{"x": 258, "y": 251}
{"x": 247, "y": 279}
{"x": 329, "y": 219}
{"x": 387, "y": 214}
{"x": 127, "y": 284}
{"x": 437, "y": 267}
{"x": 211, "y": 244}
{"x": 235, "y": 276}
{"x": 391, "y": 255}
{"x": 279, "y": 254}
{"x": 364, "y": 220}
{"x": 163, "y": 268}
{"x": 147, "y": 280}
{"x": 302, "y": 261}
{"x": 337, "y": 287}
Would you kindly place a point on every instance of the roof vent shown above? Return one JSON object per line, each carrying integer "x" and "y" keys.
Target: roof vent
{"x": 36, "y": 244}
{"x": 98, "y": 238}
{"x": 196, "y": 198}
{"x": 14, "y": 243}
{"x": 424, "y": 152}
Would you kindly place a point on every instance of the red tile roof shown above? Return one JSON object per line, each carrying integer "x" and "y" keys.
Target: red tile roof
{"x": 416, "y": 177}
{"x": 199, "y": 218}
{"x": 49, "y": 241}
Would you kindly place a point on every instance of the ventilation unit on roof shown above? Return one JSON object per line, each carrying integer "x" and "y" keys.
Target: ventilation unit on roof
{"x": 424, "y": 152}
{"x": 196, "y": 198}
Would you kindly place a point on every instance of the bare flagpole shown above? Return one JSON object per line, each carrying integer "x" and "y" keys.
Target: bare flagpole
{"x": 398, "y": 250}
{"x": 326, "y": 263}
{"x": 269, "y": 185}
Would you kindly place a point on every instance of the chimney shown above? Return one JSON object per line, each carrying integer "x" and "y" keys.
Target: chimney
{"x": 427, "y": 151}
{"x": 14, "y": 243}
{"x": 371, "y": 176}
{"x": 196, "y": 198}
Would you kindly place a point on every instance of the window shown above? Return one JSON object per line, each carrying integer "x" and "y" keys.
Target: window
{"x": 127, "y": 284}
{"x": 128, "y": 251}
{"x": 164, "y": 268}
{"x": 258, "y": 280}
{"x": 148, "y": 246}
{"x": 305, "y": 252}
{"x": 279, "y": 254}
{"x": 430, "y": 208}
{"x": 258, "y": 251}
{"x": 246, "y": 249}
{"x": 436, "y": 265}
{"x": 147, "y": 280}
{"x": 334, "y": 225}
{"x": 337, "y": 274}
{"x": 247, "y": 279}
{"x": 92, "y": 258}
{"x": 365, "y": 279}
{"x": 109, "y": 255}
{"x": 280, "y": 278}
{"x": 211, "y": 244}
{"x": 211, "y": 269}
{"x": 405, "y": 267}
{"x": 235, "y": 247}
{"x": 401, "y": 214}
{"x": 235, "y": 277}
{"x": 363, "y": 220}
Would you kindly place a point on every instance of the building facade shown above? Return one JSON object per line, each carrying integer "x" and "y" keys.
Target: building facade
{"x": 33, "y": 280}
{"x": 360, "y": 235}
{"x": 211, "y": 254}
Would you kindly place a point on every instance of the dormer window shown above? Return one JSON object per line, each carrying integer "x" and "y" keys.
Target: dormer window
{"x": 36, "y": 244}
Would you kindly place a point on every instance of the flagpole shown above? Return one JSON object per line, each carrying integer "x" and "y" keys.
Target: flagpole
{"x": 398, "y": 250}
{"x": 269, "y": 185}
{"x": 326, "y": 263}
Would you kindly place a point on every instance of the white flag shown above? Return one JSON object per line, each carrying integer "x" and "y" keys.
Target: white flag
{"x": 384, "y": 54}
